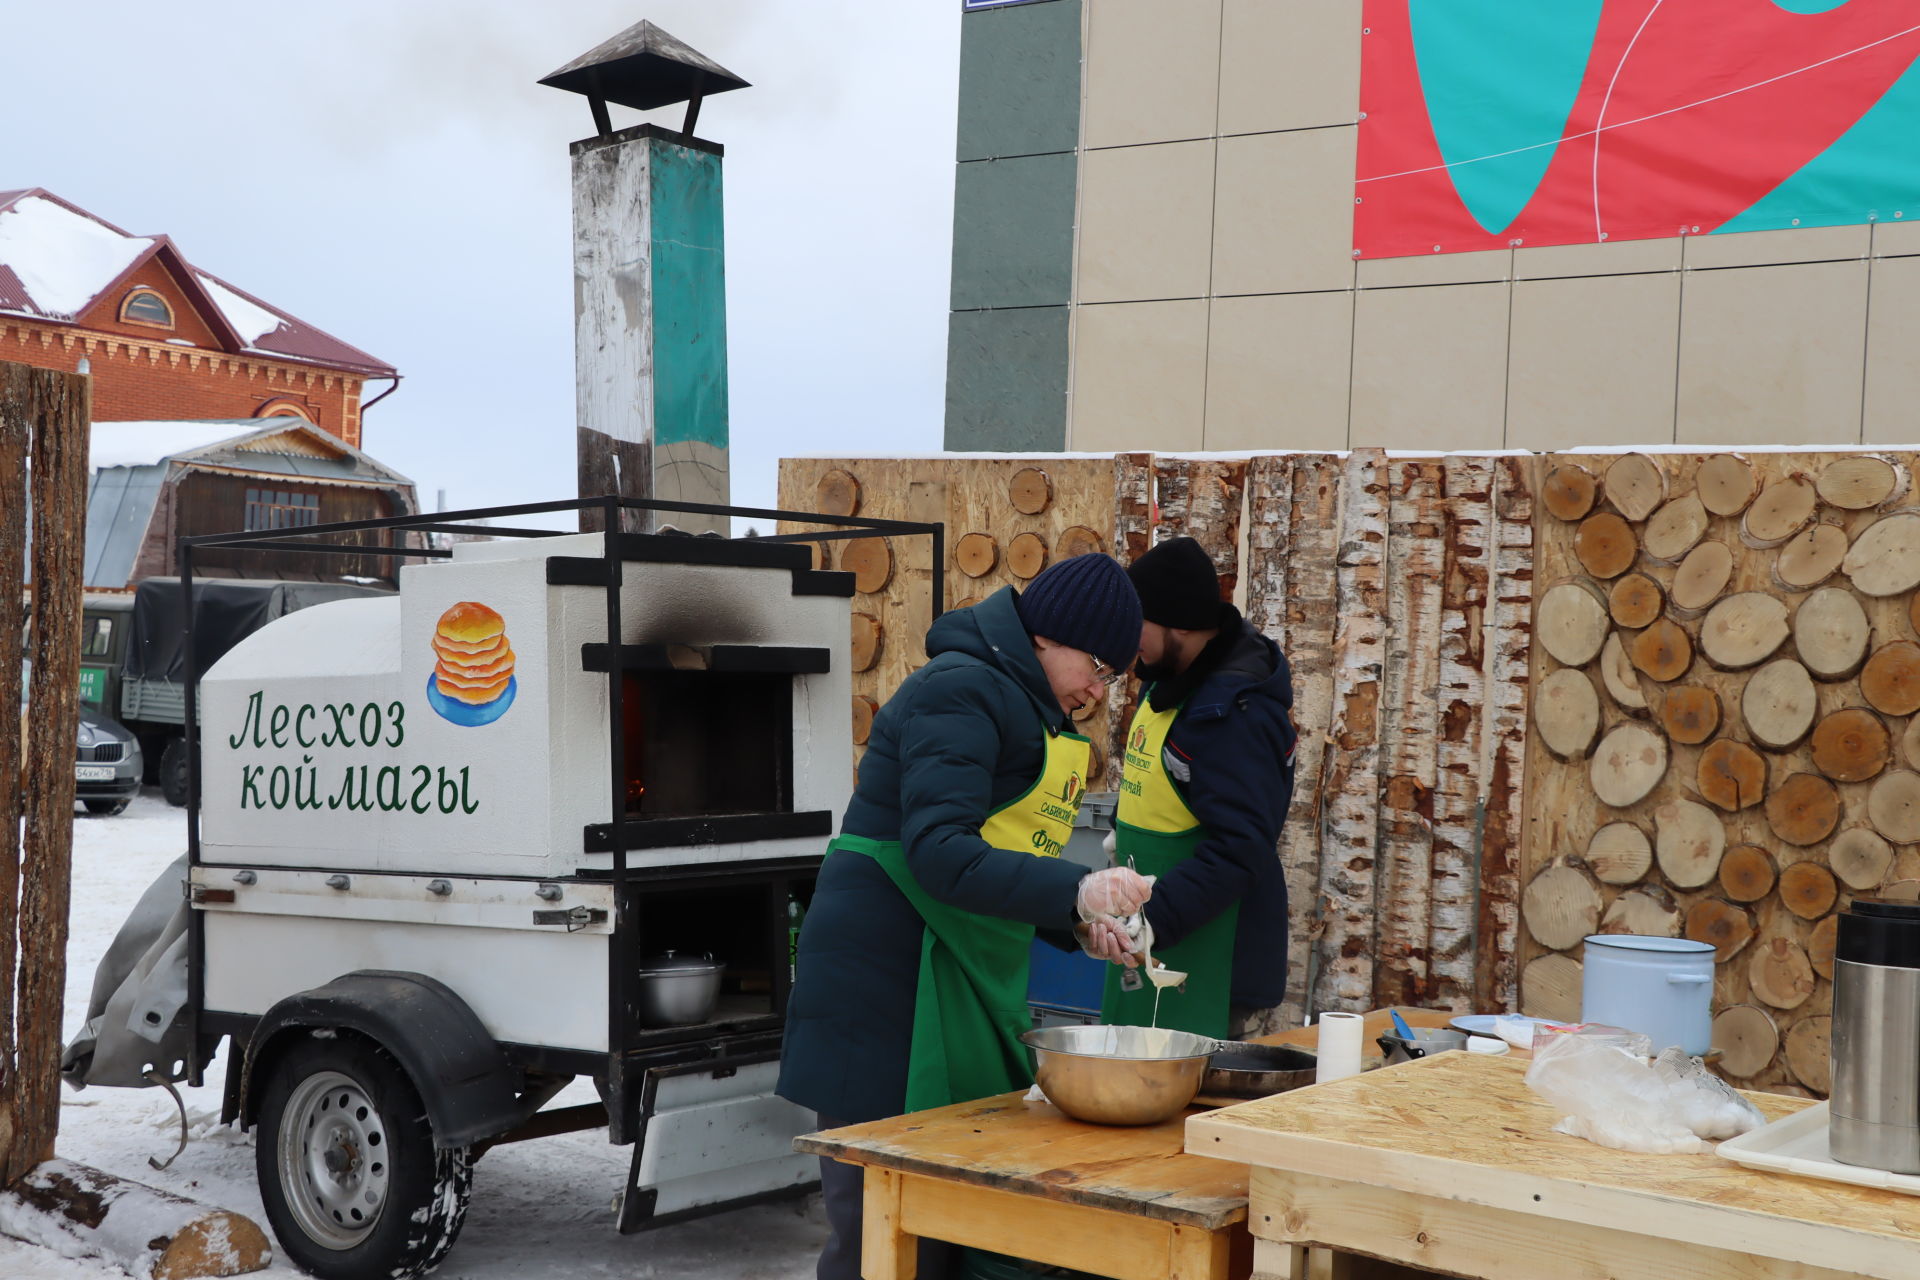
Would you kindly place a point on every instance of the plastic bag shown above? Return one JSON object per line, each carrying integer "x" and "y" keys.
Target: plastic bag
{"x": 1613, "y": 1097}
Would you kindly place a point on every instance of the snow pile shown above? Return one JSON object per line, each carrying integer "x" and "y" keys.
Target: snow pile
{"x": 63, "y": 259}
{"x": 249, "y": 319}
{"x": 142, "y": 444}
{"x": 540, "y": 1209}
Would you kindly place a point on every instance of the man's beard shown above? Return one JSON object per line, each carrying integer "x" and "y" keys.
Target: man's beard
{"x": 1152, "y": 672}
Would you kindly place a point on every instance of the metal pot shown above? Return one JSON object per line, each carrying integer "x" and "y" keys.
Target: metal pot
{"x": 1241, "y": 1070}
{"x": 678, "y": 990}
{"x": 1119, "y": 1075}
{"x": 1662, "y": 987}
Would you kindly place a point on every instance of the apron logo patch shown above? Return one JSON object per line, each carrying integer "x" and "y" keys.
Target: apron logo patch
{"x": 1073, "y": 789}
{"x": 1138, "y": 742}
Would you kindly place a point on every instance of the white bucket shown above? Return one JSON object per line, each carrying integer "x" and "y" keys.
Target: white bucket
{"x": 1661, "y": 987}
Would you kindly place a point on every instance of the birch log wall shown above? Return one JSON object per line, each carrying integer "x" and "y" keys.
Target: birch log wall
{"x": 1400, "y": 589}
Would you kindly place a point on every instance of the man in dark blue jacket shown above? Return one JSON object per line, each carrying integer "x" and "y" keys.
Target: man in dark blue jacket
{"x": 1206, "y": 780}
{"x": 911, "y": 983}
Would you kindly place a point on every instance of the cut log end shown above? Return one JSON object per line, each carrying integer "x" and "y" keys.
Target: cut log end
{"x": 1832, "y": 634}
{"x": 1077, "y": 541}
{"x": 1622, "y": 681}
{"x": 1890, "y": 680}
{"x": 1746, "y": 873}
{"x": 1808, "y": 890}
{"x": 1550, "y": 988}
{"x": 1619, "y": 853}
{"x": 1030, "y": 491}
{"x": 1860, "y": 481}
{"x": 1700, "y": 579}
{"x": 1636, "y": 485}
{"x": 1570, "y": 492}
{"x": 1810, "y": 557}
{"x": 870, "y": 561}
{"x": 1627, "y": 765}
{"x": 1635, "y": 600}
{"x": 1852, "y": 745}
{"x": 1571, "y": 622}
{"x": 1885, "y": 559}
{"x": 1605, "y": 545}
{"x": 1726, "y": 483}
{"x": 1747, "y": 1038}
{"x": 837, "y": 494}
{"x": 1646, "y": 912}
{"x": 1731, "y": 775}
{"x": 81, "y": 1212}
{"x": 1804, "y": 809}
{"x": 1675, "y": 528}
{"x": 1690, "y": 713}
{"x": 1893, "y": 806}
{"x": 1783, "y": 509}
{"x": 976, "y": 554}
{"x": 1743, "y": 630}
{"x": 1809, "y": 1052}
{"x": 1688, "y": 841}
{"x": 1561, "y": 906}
{"x": 1779, "y": 705}
{"x": 1662, "y": 651}
{"x": 1721, "y": 925}
{"x": 1026, "y": 556}
{"x": 1780, "y": 973}
{"x": 1566, "y": 710}
{"x": 1860, "y": 858}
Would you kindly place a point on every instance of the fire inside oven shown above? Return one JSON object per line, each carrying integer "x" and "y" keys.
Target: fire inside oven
{"x": 703, "y": 743}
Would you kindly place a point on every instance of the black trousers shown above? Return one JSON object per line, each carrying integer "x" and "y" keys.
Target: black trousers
{"x": 840, "y": 1189}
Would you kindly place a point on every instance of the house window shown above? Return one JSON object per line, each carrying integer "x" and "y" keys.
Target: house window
{"x": 144, "y": 306}
{"x": 280, "y": 509}
{"x": 97, "y": 640}
{"x": 284, "y": 409}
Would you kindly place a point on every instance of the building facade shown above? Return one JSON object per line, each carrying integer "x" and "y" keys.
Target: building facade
{"x": 163, "y": 340}
{"x": 1161, "y": 237}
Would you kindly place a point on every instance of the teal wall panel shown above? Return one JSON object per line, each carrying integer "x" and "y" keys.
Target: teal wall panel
{"x": 1020, "y": 80}
{"x": 1007, "y": 380}
{"x": 1013, "y": 232}
{"x": 689, "y": 297}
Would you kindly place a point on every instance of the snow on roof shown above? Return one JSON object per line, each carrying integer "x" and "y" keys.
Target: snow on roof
{"x": 145, "y": 444}
{"x": 250, "y": 321}
{"x": 63, "y": 259}
{"x": 57, "y": 259}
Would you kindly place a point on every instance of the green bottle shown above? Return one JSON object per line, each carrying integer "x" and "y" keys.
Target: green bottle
{"x": 795, "y": 916}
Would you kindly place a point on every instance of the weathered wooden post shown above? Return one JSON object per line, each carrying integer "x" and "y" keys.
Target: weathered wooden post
{"x": 649, "y": 268}
{"x": 45, "y": 416}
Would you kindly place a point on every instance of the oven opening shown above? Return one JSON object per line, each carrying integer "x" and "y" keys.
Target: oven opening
{"x": 701, "y": 743}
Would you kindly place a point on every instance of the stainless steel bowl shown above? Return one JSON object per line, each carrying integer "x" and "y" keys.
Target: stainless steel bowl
{"x": 1119, "y": 1075}
{"x": 677, "y": 990}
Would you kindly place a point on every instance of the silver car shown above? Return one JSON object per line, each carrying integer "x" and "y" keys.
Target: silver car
{"x": 107, "y": 767}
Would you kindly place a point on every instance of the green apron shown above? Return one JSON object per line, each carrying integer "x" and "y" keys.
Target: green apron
{"x": 970, "y": 1007}
{"x": 1156, "y": 830}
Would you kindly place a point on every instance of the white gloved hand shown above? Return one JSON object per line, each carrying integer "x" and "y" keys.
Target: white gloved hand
{"x": 1115, "y": 891}
{"x": 1111, "y": 844}
{"x": 1107, "y": 939}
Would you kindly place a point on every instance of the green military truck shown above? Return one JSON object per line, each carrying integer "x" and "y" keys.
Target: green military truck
{"x": 133, "y": 662}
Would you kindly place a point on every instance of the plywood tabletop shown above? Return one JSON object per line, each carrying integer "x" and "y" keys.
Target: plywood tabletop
{"x": 1464, "y": 1127}
{"x": 1030, "y": 1147}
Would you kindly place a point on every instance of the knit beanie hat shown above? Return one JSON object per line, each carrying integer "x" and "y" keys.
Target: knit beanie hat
{"x": 1178, "y": 585}
{"x": 1085, "y": 602}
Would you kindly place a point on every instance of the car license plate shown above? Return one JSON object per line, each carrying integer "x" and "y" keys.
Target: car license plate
{"x": 93, "y": 773}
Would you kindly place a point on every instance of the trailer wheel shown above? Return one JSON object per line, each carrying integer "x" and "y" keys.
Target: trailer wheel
{"x": 349, "y": 1176}
{"x": 173, "y": 771}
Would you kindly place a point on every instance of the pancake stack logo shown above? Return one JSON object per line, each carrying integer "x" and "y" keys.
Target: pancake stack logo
{"x": 472, "y": 682}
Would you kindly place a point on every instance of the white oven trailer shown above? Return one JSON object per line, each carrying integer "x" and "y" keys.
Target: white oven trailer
{"x": 422, "y": 892}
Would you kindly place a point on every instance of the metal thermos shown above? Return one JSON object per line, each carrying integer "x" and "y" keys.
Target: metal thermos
{"x": 1874, "y": 1111}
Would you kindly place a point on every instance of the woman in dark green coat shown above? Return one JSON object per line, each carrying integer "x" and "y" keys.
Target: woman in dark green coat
{"x": 912, "y": 964}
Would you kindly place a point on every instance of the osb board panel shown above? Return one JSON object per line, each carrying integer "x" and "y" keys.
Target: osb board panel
{"x": 1496, "y": 1148}
{"x": 971, "y": 495}
{"x": 1561, "y": 809}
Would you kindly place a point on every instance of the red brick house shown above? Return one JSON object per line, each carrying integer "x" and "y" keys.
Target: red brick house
{"x": 164, "y": 340}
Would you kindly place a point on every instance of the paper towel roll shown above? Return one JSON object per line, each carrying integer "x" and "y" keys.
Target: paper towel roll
{"x": 1341, "y": 1037}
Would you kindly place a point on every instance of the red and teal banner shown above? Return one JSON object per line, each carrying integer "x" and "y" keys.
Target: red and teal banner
{"x": 1494, "y": 123}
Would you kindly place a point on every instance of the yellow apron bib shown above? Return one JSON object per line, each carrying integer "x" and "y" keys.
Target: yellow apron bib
{"x": 970, "y": 1007}
{"x": 1156, "y": 830}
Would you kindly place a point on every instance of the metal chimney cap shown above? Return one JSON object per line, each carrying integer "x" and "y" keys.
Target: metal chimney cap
{"x": 644, "y": 68}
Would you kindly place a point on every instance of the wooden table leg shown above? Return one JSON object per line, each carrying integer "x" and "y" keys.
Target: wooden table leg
{"x": 886, "y": 1251}
{"x": 1278, "y": 1260}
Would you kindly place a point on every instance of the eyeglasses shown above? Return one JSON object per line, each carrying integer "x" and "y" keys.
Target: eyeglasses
{"x": 1105, "y": 674}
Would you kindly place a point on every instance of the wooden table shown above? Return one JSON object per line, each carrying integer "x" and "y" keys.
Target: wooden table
{"x": 1450, "y": 1164}
{"x": 1021, "y": 1178}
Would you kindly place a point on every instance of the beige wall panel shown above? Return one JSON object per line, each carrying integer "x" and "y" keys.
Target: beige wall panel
{"x": 1478, "y": 267}
{"x": 1772, "y": 355}
{"x": 1893, "y": 375}
{"x": 1799, "y": 244}
{"x": 1897, "y": 238}
{"x": 1288, "y": 64}
{"x": 1592, "y": 361}
{"x": 1146, "y": 216}
{"x": 1430, "y": 367}
{"x": 1277, "y": 371}
{"x": 1613, "y": 258}
{"x": 1152, "y": 71}
{"x": 1283, "y": 216}
{"x": 1139, "y": 376}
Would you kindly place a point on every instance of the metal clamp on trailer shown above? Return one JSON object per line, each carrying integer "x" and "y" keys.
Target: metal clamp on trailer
{"x": 543, "y": 816}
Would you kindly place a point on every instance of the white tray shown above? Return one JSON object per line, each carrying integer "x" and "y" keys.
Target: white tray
{"x": 1798, "y": 1145}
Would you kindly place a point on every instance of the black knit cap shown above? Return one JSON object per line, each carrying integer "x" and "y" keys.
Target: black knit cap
{"x": 1178, "y": 586}
{"x": 1085, "y": 602}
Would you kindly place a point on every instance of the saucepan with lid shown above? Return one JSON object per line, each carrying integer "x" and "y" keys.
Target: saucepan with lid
{"x": 678, "y": 990}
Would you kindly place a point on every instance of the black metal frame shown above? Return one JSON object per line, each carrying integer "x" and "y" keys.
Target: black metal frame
{"x": 633, "y": 1052}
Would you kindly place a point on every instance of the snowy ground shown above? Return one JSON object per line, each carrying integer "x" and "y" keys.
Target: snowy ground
{"x": 540, "y": 1209}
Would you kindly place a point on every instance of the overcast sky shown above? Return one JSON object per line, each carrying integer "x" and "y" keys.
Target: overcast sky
{"x": 389, "y": 171}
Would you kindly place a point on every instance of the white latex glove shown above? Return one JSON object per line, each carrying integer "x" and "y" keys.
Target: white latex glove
{"x": 1115, "y": 891}
{"x": 1107, "y": 939}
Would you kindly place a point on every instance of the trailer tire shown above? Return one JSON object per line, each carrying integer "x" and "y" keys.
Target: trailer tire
{"x": 343, "y": 1134}
{"x": 173, "y": 772}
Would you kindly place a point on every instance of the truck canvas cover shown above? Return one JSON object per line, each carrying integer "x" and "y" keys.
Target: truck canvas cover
{"x": 227, "y": 611}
